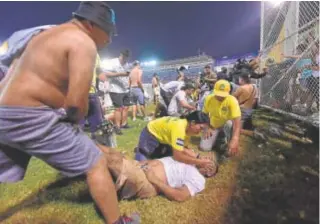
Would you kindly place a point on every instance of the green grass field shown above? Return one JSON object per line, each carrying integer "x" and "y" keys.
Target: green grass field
{"x": 272, "y": 181}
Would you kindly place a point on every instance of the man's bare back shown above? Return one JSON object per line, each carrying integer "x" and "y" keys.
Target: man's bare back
{"x": 135, "y": 77}
{"x": 42, "y": 73}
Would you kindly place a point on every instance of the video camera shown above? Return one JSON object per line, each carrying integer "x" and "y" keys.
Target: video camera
{"x": 242, "y": 67}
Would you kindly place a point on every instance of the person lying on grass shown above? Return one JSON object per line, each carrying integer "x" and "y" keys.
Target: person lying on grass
{"x": 167, "y": 136}
{"x": 175, "y": 180}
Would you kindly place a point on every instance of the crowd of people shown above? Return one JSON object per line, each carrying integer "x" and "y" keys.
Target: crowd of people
{"x": 53, "y": 89}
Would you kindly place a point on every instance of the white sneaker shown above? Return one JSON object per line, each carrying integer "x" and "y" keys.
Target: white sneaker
{"x": 134, "y": 119}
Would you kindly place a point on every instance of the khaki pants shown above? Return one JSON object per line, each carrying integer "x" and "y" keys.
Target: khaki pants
{"x": 131, "y": 181}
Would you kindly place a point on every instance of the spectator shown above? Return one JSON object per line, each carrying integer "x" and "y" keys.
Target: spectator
{"x": 223, "y": 74}
{"x": 225, "y": 115}
{"x": 179, "y": 101}
{"x": 167, "y": 91}
{"x": 246, "y": 95}
{"x": 119, "y": 90}
{"x": 155, "y": 88}
{"x": 137, "y": 91}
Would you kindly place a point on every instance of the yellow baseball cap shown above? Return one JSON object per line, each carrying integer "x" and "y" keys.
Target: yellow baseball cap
{"x": 222, "y": 88}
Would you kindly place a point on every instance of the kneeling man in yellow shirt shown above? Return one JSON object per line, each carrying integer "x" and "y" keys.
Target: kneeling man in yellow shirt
{"x": 225, "y": 115}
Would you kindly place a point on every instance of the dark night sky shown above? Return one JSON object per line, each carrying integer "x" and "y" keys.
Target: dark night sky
{"x": 156, "y": 30}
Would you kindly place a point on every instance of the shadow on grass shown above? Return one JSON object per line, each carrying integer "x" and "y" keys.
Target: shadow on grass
{"x": 64, "y": 189}
{"x": 276, "y": 184}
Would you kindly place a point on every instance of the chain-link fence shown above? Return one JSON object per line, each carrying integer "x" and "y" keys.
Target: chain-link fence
{"x": 290, "y": 51}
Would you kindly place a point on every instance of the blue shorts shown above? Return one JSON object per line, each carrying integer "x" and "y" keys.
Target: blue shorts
{"x": 150, "y": 148}
{"x": 40, "y": 132}
{"x": 137, "y": 96}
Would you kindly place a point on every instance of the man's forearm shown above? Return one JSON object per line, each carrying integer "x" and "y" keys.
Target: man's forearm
{"x": 190, "y": 153}
{"x": 186, "y": 105}
{"x": 258, "y": 75}
{"x": 210, "y": 80}
{"x": 114, "y": 74}
{"x": 186, "y": 158}
{"x": 236, "y": 129}
{"x": 169, "y": 192}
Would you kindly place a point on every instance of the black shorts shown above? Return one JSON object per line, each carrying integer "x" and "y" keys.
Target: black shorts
{"x": 120, "y": 99}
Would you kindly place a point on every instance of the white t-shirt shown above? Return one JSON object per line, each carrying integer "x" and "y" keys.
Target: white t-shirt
{"x": 174, "y": 107}
{"x": 179, "y": 174}
{"x": 118, "y": 84}
{"x": 173, "y": 86}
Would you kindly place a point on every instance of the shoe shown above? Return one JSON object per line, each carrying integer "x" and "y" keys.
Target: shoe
{"x": 117, "y": 130}
{"x": 134, "y": 119}
{"x": 126, "y": 126}
{"x": 134, "y": 219}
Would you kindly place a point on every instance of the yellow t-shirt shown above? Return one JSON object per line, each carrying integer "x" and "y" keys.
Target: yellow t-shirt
{"x": 94, "y": 79}
{"x": 170, "y": 131}
{"x": 221, "y": 112}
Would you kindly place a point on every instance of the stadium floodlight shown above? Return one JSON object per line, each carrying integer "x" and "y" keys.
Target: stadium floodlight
{"x": 153, "y": 63}
{"x": 3, "y": 48}
{"x": 276, "y": 3}
{"x": 149, "y": 63}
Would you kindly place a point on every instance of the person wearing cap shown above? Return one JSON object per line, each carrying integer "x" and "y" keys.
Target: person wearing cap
{"x": 167, "y": 136}
{"x": 207, "y": 80}
{"x": 225, "y": 115}
{"x": 51, "y": 86}
{"x": 137, "y": 91}
{"x": 119, "y": 89}
{"x": 179, "y": 102}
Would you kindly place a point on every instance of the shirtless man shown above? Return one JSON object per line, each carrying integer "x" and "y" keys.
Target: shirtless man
{"x": 155, "y": 88}
{"x": 50, "y": 84}
{"x": 137, "y": 91}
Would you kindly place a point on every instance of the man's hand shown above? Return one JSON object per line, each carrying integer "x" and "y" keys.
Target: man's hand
{"x": 233, "y": 147}
{"x": 208, "y": 133}
{"x": 150, "y": 174}
{"x": 204, "y": 162}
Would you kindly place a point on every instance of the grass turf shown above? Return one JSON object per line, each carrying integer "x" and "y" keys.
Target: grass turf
{"x": 272, "y": 181}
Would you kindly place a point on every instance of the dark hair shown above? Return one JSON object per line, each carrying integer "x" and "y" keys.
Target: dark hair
{"x": 224, "y": 70}
{"x": 197, "y": 117}
{"x": 155, "y": 74}
{"x": 125, "y": 53}
{"x": 207, "y": 66}
{"x": 245, "y": 78}
{"x": 135, "y": 63}
{"x": 188, "y": 86}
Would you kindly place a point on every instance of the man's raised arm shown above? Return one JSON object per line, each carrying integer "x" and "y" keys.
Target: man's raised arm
{"x": 81, "y": 62}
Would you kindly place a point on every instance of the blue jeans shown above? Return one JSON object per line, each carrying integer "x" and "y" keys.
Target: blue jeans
{"x": 150, "y": 148}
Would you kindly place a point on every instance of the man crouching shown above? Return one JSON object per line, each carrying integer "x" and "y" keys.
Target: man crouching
{"x": 175, "y": 180}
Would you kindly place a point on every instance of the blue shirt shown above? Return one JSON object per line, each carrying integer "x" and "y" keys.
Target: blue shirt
{"x": 306, "y": 72}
